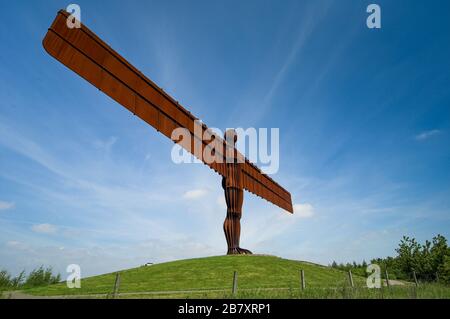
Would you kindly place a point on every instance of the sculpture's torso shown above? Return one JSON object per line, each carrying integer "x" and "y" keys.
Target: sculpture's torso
{"x": 233, "y": 176}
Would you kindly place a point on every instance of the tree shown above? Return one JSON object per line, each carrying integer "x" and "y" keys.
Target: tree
{"x": 430, "y": 260}
{"x": 438, "y": 254}
{"x": 408, "y": 256}
{"x": 444, "y": 270}
{"x": 42, "y": 277}
{"x": 18, "y": 281}
{"x": 5, "y": 279}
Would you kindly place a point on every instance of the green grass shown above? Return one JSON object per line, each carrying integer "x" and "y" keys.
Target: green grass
{"x": 258, "y": 277}
{"x": 209, "y": 274}
{"x": 427, "y": 291}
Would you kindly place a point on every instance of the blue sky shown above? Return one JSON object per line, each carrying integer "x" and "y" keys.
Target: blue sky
{"x": 363, "y": 117}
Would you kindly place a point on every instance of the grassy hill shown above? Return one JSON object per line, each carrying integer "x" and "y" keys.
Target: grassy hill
{"x": 212, "y": 277}
{"x": 209, "y": 273}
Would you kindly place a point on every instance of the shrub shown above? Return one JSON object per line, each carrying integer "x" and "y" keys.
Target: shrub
{"x": 444, "y": 270}
{"x": 38, "y": 277}
{"x": 42, "y": 277}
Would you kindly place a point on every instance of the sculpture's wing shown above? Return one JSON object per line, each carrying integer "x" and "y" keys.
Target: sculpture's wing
{"x": 87, "y": 55}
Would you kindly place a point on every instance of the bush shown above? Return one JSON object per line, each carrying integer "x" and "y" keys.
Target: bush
{"x": 444, "y": 270}
{"x": 38, "y": 277}
{"x": 42, "y": 277}
{"x": 5, "y": 280}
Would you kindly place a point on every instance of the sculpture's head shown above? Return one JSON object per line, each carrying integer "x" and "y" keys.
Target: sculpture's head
{"x": 231, "y": 136}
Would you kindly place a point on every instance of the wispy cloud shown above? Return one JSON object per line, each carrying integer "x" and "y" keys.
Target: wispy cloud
{"x": 426, "y": 135}
{"x": 120, "y": 208}
{"x": 44, "y": 228}
{"x": 15, "y": 244}
{"x": 304, "y": 210}
{"x": 195, "y": 194}
{"x": 221, "y": 202}
{"x": 105, "y": 145}
{"x": 6, "y": 205}
{"x": 312, "y": 17}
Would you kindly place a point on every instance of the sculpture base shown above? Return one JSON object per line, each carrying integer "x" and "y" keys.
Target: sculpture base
{"x": 239, "y": 251}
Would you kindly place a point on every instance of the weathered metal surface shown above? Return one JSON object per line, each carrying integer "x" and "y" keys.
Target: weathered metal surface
{"x": 234, "y": 197}
{"x": 87, "y": 55}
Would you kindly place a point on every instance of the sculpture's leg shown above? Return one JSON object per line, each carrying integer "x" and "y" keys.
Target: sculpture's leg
{"x": 232, "y": 225}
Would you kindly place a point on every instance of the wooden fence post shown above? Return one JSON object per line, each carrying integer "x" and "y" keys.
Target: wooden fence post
{"x": 302, "y": 279}
{"x": 350, "y": 277}
{"x": 116, "y": 285}
{"x": 387, "y": 278}
{"x": 235, "y": 278}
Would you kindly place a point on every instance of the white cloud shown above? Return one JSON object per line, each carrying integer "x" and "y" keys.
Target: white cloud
{"x": 105, "y": 145}
{"x": 195, "y": 194}
{"x": 426, "y": 135}
{"x": 304, "y": 210}
{"x": 44, "y": 228}
{"x": 221, "y": 202}
{"x": 12, "y": 243}
{"x": 6, "y": 205}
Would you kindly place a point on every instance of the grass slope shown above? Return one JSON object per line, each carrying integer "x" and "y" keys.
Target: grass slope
{"x": 254, "y": 272}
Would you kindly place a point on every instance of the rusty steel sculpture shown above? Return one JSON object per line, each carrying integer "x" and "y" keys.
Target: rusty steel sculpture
{"x": 86, "y": 54}
{"x": 234, "y": 197}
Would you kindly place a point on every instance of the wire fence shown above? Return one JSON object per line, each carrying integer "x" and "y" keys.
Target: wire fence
{"x": 387, "y": 288}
